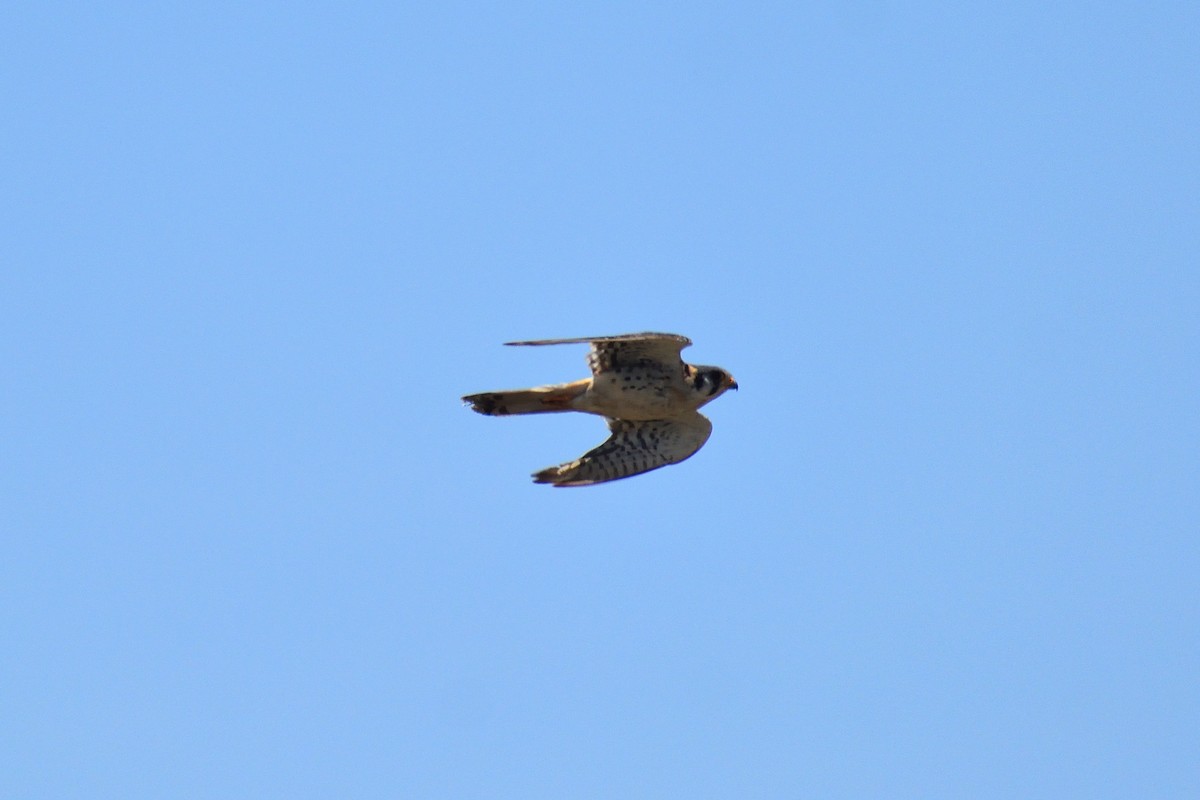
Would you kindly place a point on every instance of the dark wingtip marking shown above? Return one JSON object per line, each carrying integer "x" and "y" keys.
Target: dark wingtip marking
{"x": 559, "y": 478}
{"x": 485, "y": 403}
{"x": 546, "y": 475}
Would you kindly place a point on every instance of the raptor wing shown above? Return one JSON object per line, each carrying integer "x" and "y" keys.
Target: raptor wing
{"x": 632, "y": 448}
{"x": 628, "y": 349}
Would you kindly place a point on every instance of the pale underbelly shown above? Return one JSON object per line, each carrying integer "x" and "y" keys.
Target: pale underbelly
{"x": 633, "y": 402}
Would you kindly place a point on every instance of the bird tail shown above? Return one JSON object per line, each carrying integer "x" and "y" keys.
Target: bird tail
{"x": 540, "y": 400}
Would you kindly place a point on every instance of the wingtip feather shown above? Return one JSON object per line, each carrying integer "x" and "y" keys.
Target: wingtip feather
{"x": 560, "y": 477}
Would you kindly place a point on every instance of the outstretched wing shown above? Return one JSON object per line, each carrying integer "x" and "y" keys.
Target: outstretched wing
{"x": 628, "y": 350}
{"x": 633, "y": 448}
{"x": 683, "y": 341}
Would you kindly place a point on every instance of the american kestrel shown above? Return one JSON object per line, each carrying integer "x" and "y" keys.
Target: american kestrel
{"x": 648, "y": 394}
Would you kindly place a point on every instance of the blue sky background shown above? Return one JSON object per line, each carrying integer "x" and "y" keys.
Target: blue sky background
{"x": 942, "y": 544}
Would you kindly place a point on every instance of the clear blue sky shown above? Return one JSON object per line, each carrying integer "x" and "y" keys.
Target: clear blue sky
{"x": 943, "y": 543}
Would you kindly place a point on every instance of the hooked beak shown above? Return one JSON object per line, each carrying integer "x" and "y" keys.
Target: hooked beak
{"x": 732, "y": 383}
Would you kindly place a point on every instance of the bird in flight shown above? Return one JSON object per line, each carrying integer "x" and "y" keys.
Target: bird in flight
{"x": 646, "y": 391}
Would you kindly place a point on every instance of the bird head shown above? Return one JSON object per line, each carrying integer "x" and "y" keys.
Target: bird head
{"x": 710, "y": 382}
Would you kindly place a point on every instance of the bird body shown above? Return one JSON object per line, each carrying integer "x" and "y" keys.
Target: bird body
{"x": 639, "y": 383}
